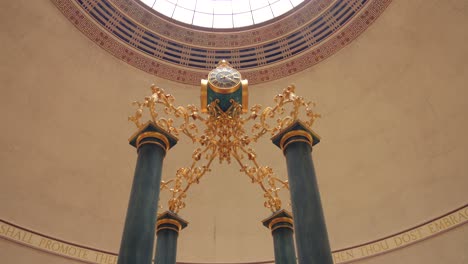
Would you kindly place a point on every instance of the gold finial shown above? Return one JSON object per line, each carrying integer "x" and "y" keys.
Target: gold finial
{"x": 223, "y": 63}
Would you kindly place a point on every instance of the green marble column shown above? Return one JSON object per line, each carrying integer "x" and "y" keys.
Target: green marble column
{"x": 168, "y": 227}
{"x": 312, "y": 244}
{"x": 152, "y": 143}
{"x": 281, "y": 226}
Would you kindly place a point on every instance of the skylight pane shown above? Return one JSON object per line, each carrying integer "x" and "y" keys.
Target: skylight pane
{"x": 262, "y": 15}
{"x": 256, "y": 4}
{"x": 164, "y": 7}
{"x": 241, "y": 6}
{"x": 204, "y": 6}
{"x": 203, "y": 20}
{"x": 222, "y": 21}
{"x": 243, "y": 20}
{"x": 183, "y": 15}
{"x": 222, "y": 7}
{"x": 296, "y": 2}
{"x": 189, "y": 4}
{"x": 280, "y": 7}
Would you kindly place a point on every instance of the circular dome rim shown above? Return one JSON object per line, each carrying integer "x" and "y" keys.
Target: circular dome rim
{"x": 145, "y": 16}
{"x": 179, "y": 71}
{"x": 254, "y": 26}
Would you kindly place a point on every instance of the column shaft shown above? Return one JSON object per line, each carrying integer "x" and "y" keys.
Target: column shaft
{"x": 152, "y": 142}
{"x": 167, "y": 228}
{"x": 281, "y": 226}
{"x": 138, "y": 236}
{"x": 311, "y": 234}
{"x": 283, "y": 241}
{"x": 166, "y": 247}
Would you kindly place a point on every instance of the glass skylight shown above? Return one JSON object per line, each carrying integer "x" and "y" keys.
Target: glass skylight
{"x": 222, "y": 13}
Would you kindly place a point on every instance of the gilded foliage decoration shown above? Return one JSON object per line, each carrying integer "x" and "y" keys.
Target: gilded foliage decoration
{"x": 223, "y": 136}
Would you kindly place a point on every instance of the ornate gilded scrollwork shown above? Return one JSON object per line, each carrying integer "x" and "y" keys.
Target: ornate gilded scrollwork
{"x": 223, "y": 137}
{"x": 287, "y": 97}
{"x": 159, "y": 97}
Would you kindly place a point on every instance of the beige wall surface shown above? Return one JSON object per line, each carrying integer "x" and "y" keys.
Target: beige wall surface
{"x": 446, "y": 248}
{"x": 393, "y": 153}
{"x": 11, "y": 253}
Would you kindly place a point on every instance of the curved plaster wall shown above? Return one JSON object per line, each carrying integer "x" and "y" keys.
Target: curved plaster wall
{"x": 393, "y": 153}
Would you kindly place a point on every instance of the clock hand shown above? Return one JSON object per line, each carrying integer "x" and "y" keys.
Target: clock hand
{"x": 222, "y": 76}
{"x": 230, "y": 78}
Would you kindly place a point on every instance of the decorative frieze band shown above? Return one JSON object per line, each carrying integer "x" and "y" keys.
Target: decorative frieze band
{"x": 434, "y": 227}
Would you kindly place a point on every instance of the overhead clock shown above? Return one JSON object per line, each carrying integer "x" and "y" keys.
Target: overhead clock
{"x": 224, "y": 79}
{"x": 224, "y": 85}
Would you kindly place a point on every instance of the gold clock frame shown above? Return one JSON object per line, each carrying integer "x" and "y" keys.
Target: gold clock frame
{"x": 204, "y": 94}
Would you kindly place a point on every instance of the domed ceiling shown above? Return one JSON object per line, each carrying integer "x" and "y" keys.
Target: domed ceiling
{"x": 391, "y": 164}
{"x": 133, "y": 32}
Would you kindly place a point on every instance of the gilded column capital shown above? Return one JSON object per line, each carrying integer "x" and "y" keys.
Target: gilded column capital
{"x": 171, "y": 221}
{"x": 151, "y": 133}
{"x": 279, "y": 219}
{"x": 295, "y": 132}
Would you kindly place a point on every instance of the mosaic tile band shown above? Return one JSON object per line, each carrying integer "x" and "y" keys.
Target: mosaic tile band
{"x": 177, "y": 52}
{"x": 137, "y": 36}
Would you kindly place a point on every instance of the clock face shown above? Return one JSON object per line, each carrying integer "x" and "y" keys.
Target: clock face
{"x": 224, "y": 78}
